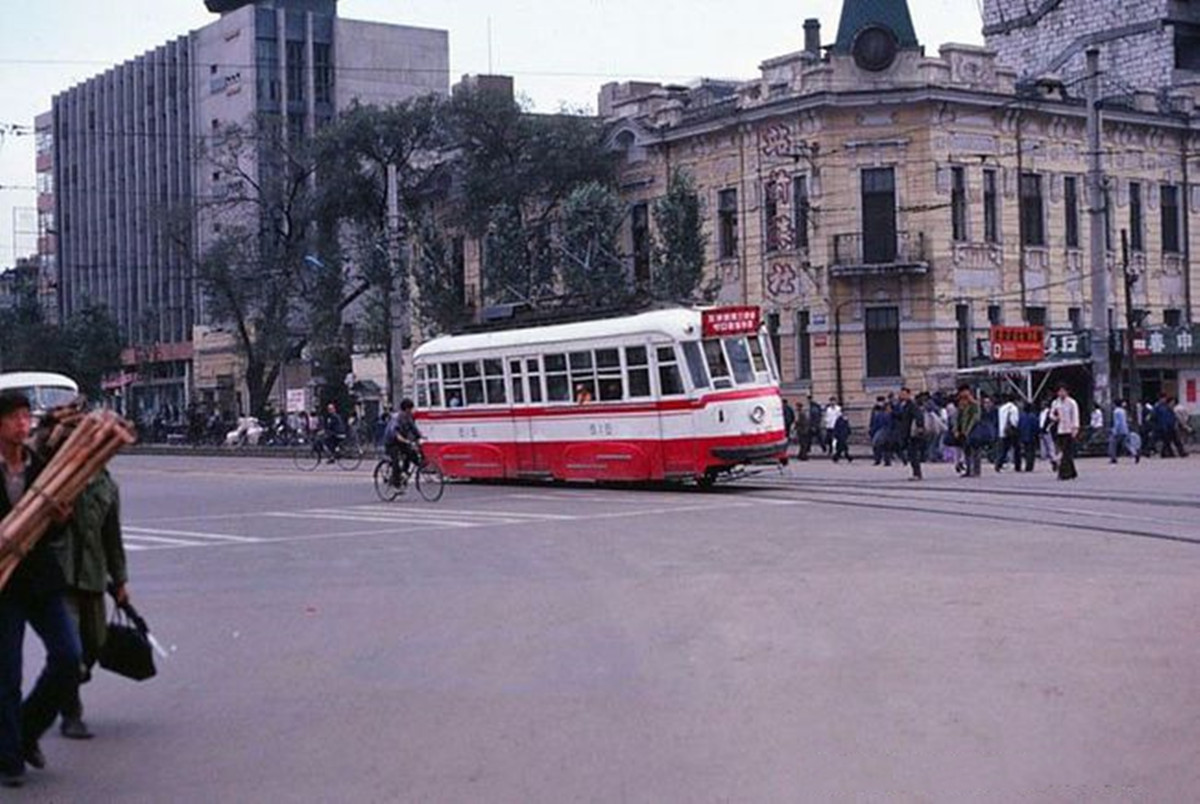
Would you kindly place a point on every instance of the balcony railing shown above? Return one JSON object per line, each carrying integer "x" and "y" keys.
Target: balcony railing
{"x": 856, "y": 253}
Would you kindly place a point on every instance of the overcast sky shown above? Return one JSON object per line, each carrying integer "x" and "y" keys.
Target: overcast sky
{"x": 559, "y": 52}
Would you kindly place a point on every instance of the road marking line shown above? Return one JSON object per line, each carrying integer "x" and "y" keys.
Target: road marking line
{"x": 376, "y": 508}
{"x": 187, "y": 534}
{"x": 347, "y": 517}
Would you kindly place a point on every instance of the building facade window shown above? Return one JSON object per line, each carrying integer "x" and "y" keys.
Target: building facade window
{"x": 727, "y": 224}
{"x": 773, "y": 333}
{"x": 958, "y": 204}
{"x": 883, "y": 341}
{"x": 801, "y": 209}
{"x": 1136, "y": 240}
{"x": 322, "y": 73}
{"x": 1071, "y": 210}
{"x": 639, "y": 225}
{"x": 879, "y": 216}
{"x": 995, "y": 315}
{"x": 803, "y": 346}
{"x": 991, "y": 208}
{"x": 295, "y": 71}
{"x": 268, "y": 71}
{"x": 962, "y": 335}
{"x": 1170, "y": 219}
{"x": 1033, "y": 230}
{"x": 1035, "y": 316}
{"x": 770, "y": 218}
{"x": 1173, "y": 317}
{"x": 1075, "y": 316}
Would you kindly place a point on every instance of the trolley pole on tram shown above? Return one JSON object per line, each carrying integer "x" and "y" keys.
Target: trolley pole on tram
{"x": 1101, "y": 368}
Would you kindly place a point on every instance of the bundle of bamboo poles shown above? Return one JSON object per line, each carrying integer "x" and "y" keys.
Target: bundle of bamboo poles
{"x": 78, "y": 446}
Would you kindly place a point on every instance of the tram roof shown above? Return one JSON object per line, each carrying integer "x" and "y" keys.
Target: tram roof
{"x": 679, "y": 323}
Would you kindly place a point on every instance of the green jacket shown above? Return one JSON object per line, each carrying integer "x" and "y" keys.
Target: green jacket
{"x": 91, "y": 551}
{"x": 968, "y": 417}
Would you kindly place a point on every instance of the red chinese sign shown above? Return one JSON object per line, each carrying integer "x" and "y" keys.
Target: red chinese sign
{"x": 730, "y": 321}
{"x": 1018, "y": 344}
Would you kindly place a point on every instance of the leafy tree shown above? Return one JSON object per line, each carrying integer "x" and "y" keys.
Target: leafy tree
{"x": 593, "y": 272}
{"x": 92, "y": 340}
{"x": 513, "y": 173}
{"x": 257, "y": 274}
{"x": 440, "y": 290}
{"x": 677, "y": 259}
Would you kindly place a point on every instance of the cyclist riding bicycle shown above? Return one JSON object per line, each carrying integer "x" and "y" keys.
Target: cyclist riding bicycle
{"x": 402, "y": 439}
{"x": 334, "y": 431}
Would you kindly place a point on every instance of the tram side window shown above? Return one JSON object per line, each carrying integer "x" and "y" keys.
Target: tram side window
{"x": 695, "y": 364}
{"x": 435, "y": 387}
{"x": 535, "y": 379}
{"x": 766, "y": 350}
{"x": 452, "y": 381}
{"x": 473, "y": 382}
{"x": 518, "y": 387}
{"x": 718, "y": 369}
{"x": 638, "y": 367}
{"x": 670, "y": 382}
{"x": 583, "y": 376}
{"x": 608, "y": 375}
{"x": 422, "y": 388}
{"x": 739, "y": 358}
{"x": 557, "y": 387}
{"x": 493, "y": 376}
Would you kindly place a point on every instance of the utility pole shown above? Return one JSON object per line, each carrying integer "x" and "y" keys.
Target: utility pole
{"x": 399, "y": 292}
{"x": 1101, "y": 381}
{"x": 1135, "y": 382}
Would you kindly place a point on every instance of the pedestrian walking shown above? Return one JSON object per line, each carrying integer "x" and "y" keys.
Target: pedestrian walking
{"x": 1118, "y": 435}
{"x": 1008, "y": 420}
{"x": 910, "y": 421}
{"x": 33, "y": 595}
{"x": 966, "y": 431}
{"x": 789, "y": 420}
{"x": 841, "y": 439}
{"x": 804, "y": 433}
{"x": 1028, "y": 433}
{"x": 1065, "y": 413}
{"x": 816, "y": 426}
{"x": 91, "y": 555}
{"x": 832, "y": 413}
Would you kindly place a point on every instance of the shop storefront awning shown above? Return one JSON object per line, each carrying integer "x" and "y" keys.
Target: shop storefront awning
{"x": 1019, "y": 376}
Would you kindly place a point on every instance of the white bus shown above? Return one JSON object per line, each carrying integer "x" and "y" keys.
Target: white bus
{"x": 45, "y": 389}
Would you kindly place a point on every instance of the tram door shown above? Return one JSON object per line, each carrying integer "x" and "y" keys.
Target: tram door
{"x": 525, "y": 374}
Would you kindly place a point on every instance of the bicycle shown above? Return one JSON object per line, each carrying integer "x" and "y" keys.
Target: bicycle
{"x": 424, "y": 474}
{"x": 348, "y": 455}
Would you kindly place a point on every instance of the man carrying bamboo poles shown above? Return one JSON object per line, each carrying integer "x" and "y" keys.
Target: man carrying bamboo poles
{"x": 34, "y": 595}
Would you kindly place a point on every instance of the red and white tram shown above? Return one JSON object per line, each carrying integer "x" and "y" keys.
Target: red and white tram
{"x": 674, "y": 394}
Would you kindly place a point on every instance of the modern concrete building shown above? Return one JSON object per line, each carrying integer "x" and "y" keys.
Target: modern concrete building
{"x": 886, "y": 207}
{"x": 126, "y": 148}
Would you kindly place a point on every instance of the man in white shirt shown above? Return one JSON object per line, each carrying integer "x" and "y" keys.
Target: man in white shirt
{"x": 833, "y": 411}
{"x": 1065, "y": 413}
{"x": 1010, "y": 436}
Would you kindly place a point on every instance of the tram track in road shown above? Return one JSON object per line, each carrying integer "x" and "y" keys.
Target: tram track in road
{"x": 855, "y": 495}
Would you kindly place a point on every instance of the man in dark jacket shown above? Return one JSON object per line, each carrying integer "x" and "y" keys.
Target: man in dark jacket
{"x": 34, "y": 595}
{"x": 91, "y": 555}
{"x": 910, "y": 430}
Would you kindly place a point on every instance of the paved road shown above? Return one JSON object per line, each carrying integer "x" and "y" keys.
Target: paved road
{"x": 822, "y": 633}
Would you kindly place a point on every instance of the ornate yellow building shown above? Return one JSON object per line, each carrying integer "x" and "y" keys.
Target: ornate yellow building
{"x": 885, "y": 207}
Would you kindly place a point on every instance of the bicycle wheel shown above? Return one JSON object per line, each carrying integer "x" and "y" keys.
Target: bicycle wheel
{"x": 350, "y": 456}
{"x": 306, "y": 458}
{"x": 430, "y": 482}
{"x": 383, "y": 482}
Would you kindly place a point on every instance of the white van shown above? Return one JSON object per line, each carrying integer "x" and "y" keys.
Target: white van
{"x": 45, "y": 389}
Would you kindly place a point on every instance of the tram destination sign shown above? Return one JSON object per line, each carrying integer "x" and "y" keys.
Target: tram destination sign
{"x": 730, "y": 321}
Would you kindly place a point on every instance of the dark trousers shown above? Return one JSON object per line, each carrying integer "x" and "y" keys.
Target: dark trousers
{"x": 1010, "y": 443}
{"x": 916, "y": 451}
{"x": 1029, "y": 451}
{"x": 805, "y": 439}
{"x": 1066, "y": 457}
{"x": 22, "y": 724}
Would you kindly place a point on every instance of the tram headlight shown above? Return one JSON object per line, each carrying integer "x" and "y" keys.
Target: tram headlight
{"x": 758, "y": 414}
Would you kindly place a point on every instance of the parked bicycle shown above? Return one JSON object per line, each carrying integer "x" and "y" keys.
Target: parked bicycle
{"x": 423, "y": 474}
{"x": 347, "y": 454}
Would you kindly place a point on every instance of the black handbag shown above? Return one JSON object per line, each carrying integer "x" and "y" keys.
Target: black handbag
{"x": 127, "y": 651}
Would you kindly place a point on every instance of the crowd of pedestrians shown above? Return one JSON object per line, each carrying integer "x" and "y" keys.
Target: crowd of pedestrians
{"x": 968, "y": 432}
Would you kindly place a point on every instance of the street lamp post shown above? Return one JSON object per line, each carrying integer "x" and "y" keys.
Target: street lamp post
{"x": 1101, "y": 389}
{"x": 837, "y": 348}
{"x": 1131, "y": 321}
